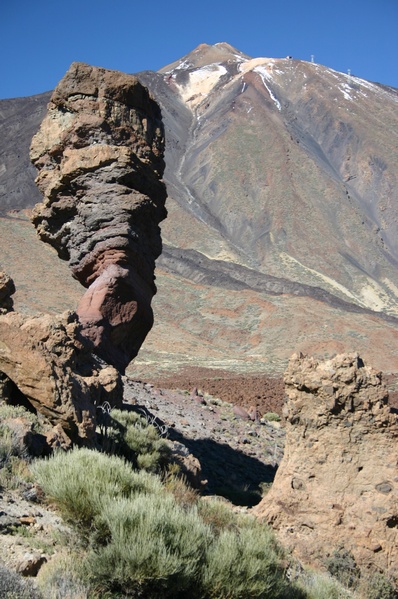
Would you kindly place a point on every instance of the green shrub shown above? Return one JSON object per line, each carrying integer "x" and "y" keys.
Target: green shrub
{"x": 81, "y": 480}
{"x": 246, "y": 565}
{"x": 219, "y": 516}
{"x": 61, "y": 578}
{"x": 342, "y": 566}
{"x": 378, "y": 586}
{"x": 140, "y": 542}
{"x": 317, "y": 585}
{"x": 272, "y": 417}
{"x": 128, "y": 434}
{"x": 13, "y": 459}
{"x": 155, "y": 549}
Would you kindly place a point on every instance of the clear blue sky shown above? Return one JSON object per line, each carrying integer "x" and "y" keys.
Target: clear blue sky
{"x": 40, "y": 38}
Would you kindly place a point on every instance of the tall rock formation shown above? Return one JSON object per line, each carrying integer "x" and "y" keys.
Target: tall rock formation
{"x": 99, "y": 152}
{"x": 337, "y": 485}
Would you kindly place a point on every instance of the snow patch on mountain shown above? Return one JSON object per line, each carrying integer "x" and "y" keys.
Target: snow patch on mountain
{"x": 265, "y": 74}
{"x": 200, "y": 83}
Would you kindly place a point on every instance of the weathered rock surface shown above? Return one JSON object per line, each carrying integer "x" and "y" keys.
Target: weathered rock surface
{"x": 337, "y": 484}
{"x": 99, "y": 152}
{"x": 51, "y": 365}
{"x": 7, "y": 289}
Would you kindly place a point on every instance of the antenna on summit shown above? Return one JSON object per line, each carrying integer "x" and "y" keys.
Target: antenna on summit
{"x": 312, "y": 58}
{"x": 349, "y": 72}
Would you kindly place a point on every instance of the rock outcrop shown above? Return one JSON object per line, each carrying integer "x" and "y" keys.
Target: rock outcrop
{"x": 7, "y": 289}
{"x": 337, "y": 485}
{"x": 50, "y": 364}
{"x": 99, "y": 152}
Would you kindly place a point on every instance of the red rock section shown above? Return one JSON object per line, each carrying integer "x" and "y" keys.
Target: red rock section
{"x": 99, "y": 152}
{"x": 337, "y": 485}
{"x": 46, "y": 359}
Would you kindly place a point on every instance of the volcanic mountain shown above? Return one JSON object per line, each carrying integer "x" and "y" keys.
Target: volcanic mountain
{"x": 282, "y": 222}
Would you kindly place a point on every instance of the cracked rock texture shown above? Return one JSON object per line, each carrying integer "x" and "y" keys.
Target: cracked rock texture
{"x": 337, "y": 484}
{"x": 99, "y": 152}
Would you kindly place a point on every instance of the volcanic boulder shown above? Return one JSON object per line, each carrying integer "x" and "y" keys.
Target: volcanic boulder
{"x": 337, "y": 484}
{"x": 51, "y": 369}
{"x": 99, "y": 153}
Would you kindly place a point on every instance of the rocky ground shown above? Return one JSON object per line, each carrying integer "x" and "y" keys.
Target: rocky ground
{"x": 205, "y": 415}
{"x": 238, "y": 457}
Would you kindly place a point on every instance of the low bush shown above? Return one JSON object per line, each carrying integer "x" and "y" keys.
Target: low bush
{"x": 378, "y": 586}
{"x": 154, "y": 549}
{"x": 318, "y": 585}
{"x": 341, "y": 564}
{"x": 140, "y": 542}
{"x": 132, "y": 436}
{"x": 246, "y": 565}
{"x": 13, "y": 586}
{"x": 61, "y": 578}
{"x": 81, "y": 480}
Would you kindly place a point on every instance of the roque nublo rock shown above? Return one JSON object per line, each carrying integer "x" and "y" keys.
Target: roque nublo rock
{"x": 337, "y": 484}
{"x": 99, "y": 152}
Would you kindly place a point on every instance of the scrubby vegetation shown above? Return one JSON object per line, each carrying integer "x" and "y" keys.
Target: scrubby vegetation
{"x": 13, "y": 586}
{"x": 131, "y": 435}
{"x": 139, "y": 531}
{"x": 139, "y": 541}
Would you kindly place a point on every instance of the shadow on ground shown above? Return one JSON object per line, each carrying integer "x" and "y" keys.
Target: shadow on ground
{"x": 229, "y": 473}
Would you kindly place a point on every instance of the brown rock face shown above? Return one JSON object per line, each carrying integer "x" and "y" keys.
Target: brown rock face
{"x": 99, "y": 152}
{"x": 337, "y": 485}
{"x": 50, "y": 363}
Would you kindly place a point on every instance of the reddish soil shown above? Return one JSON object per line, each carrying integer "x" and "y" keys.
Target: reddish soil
{"x": 264, "y": 392}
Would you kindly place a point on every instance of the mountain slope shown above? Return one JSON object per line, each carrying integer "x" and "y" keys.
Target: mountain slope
{"x": 283, "y": 214}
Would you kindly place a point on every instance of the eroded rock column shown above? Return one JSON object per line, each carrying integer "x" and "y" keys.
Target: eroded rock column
{"x": 99, "y": 153}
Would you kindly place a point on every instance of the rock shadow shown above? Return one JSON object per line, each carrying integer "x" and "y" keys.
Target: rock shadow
{"x": 228, "y": 472}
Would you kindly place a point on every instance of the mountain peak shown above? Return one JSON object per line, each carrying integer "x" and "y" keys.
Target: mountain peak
{"x": 206, "y": 54}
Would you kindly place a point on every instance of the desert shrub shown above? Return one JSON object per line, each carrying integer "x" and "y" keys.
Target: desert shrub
{"x": 219, "y": 516}
{"x": 10, "y": 444}
{"x": 13, "y": 586}
{"x": 129, "y": 434}
{"x": 13, "y": 456}
{"x": 140, "y": 542}
{"x": 342, "y": 566}
{"x": 176, "y": 484}
{"x": 272, "y": 417}
{"x": 246, "y": 565}
{"x": 319, "y": 585}
{"x": 81, "y": 480}
{"x": 154, "y": 549}
{"x": 61, "y": 578}
{"x": 378, "y": 586}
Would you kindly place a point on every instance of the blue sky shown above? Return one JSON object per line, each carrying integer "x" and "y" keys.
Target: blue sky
{"x": 40, "y": 38}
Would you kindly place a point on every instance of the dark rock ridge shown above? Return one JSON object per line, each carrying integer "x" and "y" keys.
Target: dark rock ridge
{"x": 337, "y": 484}
{"x": 99, "y": 152}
